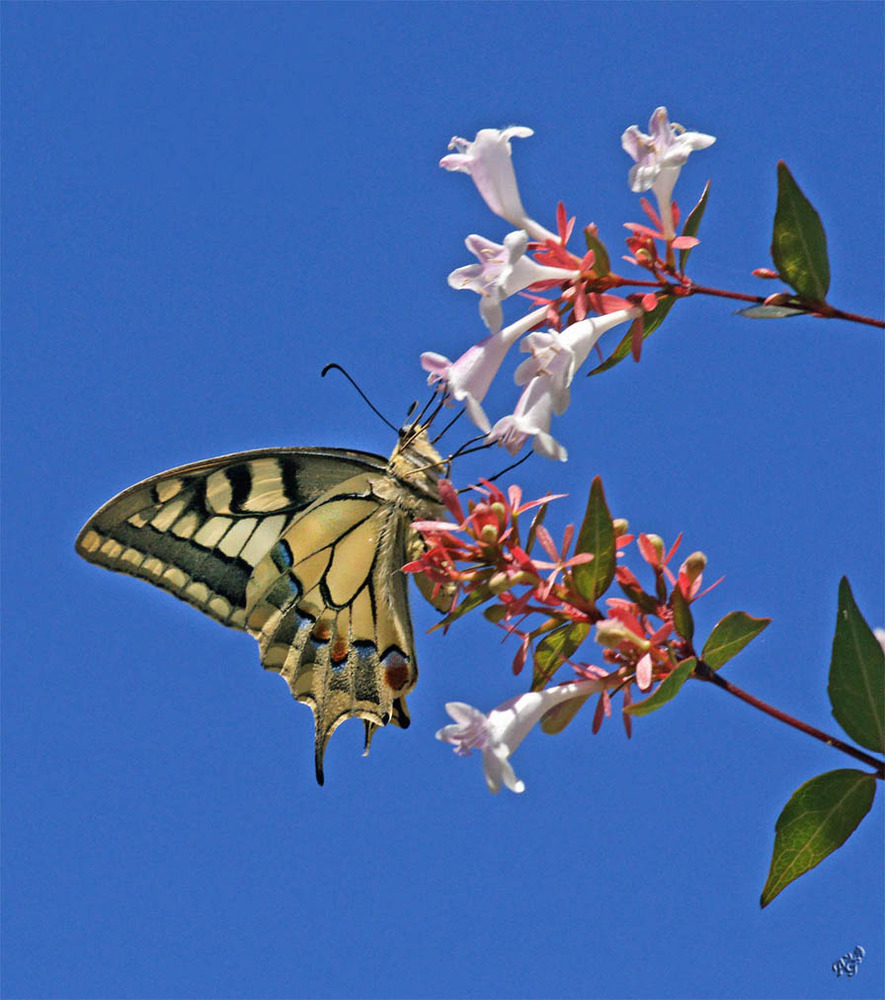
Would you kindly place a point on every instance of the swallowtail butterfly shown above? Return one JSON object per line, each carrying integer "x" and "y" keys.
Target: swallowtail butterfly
{"x": 300, "y": 547}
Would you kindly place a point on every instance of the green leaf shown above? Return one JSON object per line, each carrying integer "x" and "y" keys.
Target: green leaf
{"x": 769, "y": 312}
{"x": 650, "y": 605}
{"x": 857, "y": 675}
{"x": 597, "y": 535}
{"x": 799, "y": 243}
{"x": 553, "y": 649}
{"x": 471, "y": 601}
{"x": 667, "y": 690}
{"x": 601, "y": 262}
{"x": 682, "y": 618}
{"x": 692, "y": 223}
{"x": 729, "y": 636}
{"x": 820, "y": 816}
{"x": 561, "y": 715}
{"x": 653, "y": 320}
{"x": 537, "y": 521}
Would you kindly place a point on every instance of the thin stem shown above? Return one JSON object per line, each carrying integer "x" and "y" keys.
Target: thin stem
{"x": 705, "y": 673}
{"x": 832, "y": 313}
{"x": 722, "y": 294}
{"x": 822, "y": 309}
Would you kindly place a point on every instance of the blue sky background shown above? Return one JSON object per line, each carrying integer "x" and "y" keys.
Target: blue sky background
{"x": 203, "y": 205}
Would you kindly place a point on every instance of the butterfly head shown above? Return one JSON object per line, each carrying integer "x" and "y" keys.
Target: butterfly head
{"x": 416, "y": 461}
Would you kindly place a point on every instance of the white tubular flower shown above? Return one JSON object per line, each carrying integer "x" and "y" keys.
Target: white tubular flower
{"x": 578, "y": 340}
{"x": 487, "y": 160}
{"x": 468, "y": 379}
{"x": 500, "y": 732}
{"x": 545, "y": 394}
{"x": 503, "y": 269}
{"x": 659, "y": 157}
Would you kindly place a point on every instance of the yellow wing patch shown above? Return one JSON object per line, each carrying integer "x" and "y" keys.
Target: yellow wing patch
{"x": 318, "y": 605}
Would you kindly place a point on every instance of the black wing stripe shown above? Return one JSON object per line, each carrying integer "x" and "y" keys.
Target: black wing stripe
{"x": 222, "y": 574}
{"x": 240, "y": 478}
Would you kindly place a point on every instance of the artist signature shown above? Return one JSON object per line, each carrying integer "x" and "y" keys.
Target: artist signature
{"x": 848, "y": 964}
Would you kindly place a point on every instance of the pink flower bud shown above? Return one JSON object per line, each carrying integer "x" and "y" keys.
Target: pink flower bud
{"x": 694, "y": 565}
{"x": 611, "y": 633}
{"x": 651, "y": 548}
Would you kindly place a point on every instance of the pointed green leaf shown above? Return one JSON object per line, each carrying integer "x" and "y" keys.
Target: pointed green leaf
{"x": 653, "y": 320}
{"x": 471, "y": 601}
{"x": 561, "y": 715}
{"x": 667, "y": 690}
{"x": 650, "y": 605}
{"x": 601, "y": 262}
{"x": 799, "y": 243}
{"x": 857, "y": 675}
{"x": 729, "y": 636}
{"x": 597, "y": 535}
{"x": 554, "y": 648}
{"x": 819, "y": 817}
{"x": 537, "y": 520}
{"x": 692, "y": 223}
{"x": 682, "y": 618}
{"x": 769, "y": 312}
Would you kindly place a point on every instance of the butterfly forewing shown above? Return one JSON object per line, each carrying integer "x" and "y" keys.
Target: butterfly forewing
{"x": 300, "y": 547}
{"x": 197, "y": 531}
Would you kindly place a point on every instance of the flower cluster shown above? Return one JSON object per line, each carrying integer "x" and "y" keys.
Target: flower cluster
{"x": 532, "y": 260}
{"x": 554, "y": 600}
{"x": 481, "y": 555}
{"x": 480, "y": 558}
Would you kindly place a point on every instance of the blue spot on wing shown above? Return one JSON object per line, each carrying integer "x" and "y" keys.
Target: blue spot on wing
{"x": 365, "y": 649}
{"x": 281, "y": 554}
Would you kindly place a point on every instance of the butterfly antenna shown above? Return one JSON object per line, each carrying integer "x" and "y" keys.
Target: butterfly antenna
{"x": 368, "y": 401}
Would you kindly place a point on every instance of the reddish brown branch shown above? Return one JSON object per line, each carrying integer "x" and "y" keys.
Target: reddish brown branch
{"x": 705, "y": 673}
{"x": 821, "y": 309}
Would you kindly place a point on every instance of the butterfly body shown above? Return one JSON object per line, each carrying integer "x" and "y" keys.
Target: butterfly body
{"x": 300, "y": 547}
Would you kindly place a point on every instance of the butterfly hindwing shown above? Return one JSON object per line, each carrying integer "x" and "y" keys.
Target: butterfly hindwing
{"x": 300, "y": 547}
{"x": 329, "y": 607}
